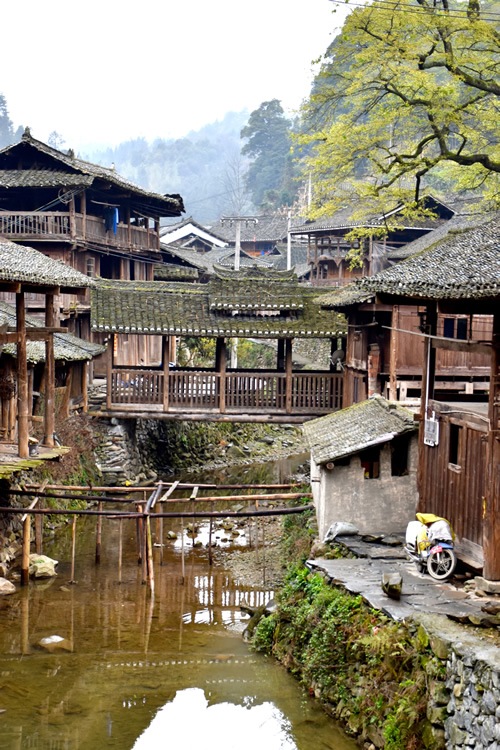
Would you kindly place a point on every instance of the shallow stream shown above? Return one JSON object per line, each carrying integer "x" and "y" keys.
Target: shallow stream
{"x": 140, "y": 673}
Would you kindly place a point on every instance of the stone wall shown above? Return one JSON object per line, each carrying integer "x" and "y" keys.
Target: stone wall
{"x": 464, "y": 697}
{"x": 117, "y": 455}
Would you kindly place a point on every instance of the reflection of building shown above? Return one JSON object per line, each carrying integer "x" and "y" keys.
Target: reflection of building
{"x": 364, "y": 462}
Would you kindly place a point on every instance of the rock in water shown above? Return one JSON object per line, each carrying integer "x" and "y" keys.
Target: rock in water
{"x": 6, "y": 587}
{"x": 42, "y": 566}
{"x": 392, "y": 585}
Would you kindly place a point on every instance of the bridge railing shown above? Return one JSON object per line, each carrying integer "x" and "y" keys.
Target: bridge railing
{"x": 232, "y": 392}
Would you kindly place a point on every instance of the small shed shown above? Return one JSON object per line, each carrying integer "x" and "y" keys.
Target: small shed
{"x": 363, "y": 466}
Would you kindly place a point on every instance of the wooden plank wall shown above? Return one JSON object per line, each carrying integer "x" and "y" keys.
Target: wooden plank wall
{"x": 455, "y": 491}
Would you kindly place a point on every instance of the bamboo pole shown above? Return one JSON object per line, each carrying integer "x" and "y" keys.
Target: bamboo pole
{"x": 171, "y": 514}
{"x": 149, "y": 548}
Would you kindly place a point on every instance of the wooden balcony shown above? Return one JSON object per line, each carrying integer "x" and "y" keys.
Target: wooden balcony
{"x": 54, "y": 226}
{"x": 260, "y": 395}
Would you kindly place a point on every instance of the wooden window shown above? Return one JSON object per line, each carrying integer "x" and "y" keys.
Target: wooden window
{"x": 91, "y": 267}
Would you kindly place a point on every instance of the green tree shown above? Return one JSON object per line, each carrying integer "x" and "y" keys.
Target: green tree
{"x": 407, "y": 94}
{"x": 270, "y": 176}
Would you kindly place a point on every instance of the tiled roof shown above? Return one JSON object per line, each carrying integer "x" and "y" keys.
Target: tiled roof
{"x": 66, "y": 346}
{"x": 350, "y": 217}
{"x": 170, "y": 204}
{"x": 255, "y": 289}
{"x": 463, "y": 265}
{"x": 456, "y": 223}
{"x": 351, "y": 430}
{"x": 192, "y": 309}
{"x": 172, "y": 272}
{"x": 351, "y": 294}
{"x": 267, "y": 229}
{"x": 11, "y": 178}
{"x": 24, "y": 264}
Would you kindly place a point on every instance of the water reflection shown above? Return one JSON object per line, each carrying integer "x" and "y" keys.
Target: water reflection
{"x": 143, "y": 672}
{"x": 224, "y": 725}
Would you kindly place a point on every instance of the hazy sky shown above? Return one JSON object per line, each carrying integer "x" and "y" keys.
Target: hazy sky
{"x": 105, "y": 71}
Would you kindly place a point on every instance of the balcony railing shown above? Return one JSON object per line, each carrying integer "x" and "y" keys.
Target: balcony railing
{"x": 53, "y": 225}
{"x": 234, "y": 392}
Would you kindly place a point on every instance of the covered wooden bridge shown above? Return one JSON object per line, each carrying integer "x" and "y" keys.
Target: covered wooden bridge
{"x": 142, "y": 321}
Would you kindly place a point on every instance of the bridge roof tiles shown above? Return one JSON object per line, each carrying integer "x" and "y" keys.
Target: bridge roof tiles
{"x": 349, "y": 431}
{"x": 191, "y": 310}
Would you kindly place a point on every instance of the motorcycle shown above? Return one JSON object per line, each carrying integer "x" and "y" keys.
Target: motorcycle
{"x": 429, "y": 544}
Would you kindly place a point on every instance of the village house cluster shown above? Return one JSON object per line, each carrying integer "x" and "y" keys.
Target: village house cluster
{"x": 393, "y": 365}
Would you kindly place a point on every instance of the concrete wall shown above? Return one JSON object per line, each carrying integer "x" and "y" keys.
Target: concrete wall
{"x": 385, "y": 504}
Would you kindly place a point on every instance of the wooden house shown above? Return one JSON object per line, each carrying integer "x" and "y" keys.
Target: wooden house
{"x": 24, "y": 271}
{"x": 254, "y": 303}
{"x": 459, "y": 437}
{"x": 383, "y": 352}
{"x": 71, "y": 359}
{"x": 330, "y": 245}
{"x": 364, "y": 466}
{"x": 82, "y": 214}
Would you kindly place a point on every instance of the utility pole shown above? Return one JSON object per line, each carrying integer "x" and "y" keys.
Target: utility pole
{"x": 237, "y": 221}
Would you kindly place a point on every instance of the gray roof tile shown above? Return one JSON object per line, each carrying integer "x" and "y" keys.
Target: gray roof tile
{"x": 360, "y": 426}
{"x": 25, "y": 264}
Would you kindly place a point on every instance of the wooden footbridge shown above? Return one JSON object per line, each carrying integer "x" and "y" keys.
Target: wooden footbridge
{"x": 145, "y": 325}
{"x": 146, "y": 508}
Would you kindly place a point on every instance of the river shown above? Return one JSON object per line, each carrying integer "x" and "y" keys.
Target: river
{"x": 137, "y": 672}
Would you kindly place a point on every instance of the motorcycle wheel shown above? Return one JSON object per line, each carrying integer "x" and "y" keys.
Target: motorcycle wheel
{"x": 440, "y": 565}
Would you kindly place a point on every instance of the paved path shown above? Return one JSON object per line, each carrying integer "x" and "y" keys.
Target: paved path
{"x": 420, "y": 592}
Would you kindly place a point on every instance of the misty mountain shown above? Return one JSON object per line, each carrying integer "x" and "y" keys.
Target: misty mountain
{"x": 205, "y": 167}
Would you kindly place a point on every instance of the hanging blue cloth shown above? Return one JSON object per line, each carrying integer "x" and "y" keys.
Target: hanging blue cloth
{"x": 111, "y": 218}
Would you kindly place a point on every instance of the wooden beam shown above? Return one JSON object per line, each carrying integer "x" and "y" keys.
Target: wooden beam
{"x": 22, "y": 379}
{"x": 460, "y": 345}
{"x": 491, "y": 501}
{"x": 165, "y": 346}
{"x": 50, "y": 375}
{"x": 288, "y": 375}
{"x": 32, "y": 334}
